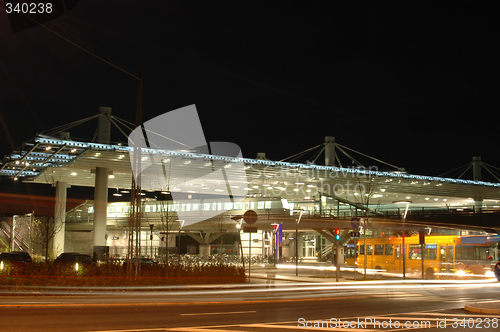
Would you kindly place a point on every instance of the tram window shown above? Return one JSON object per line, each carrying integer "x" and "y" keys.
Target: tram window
{"x": 379, "y": 249}
{"x": 247, "y": 205}
{"x": 471, "y": 252}
{"x": 206, "y": 206}
{"x": 183, "y": 207}
{"x": 91, "y": 209}
{"x": 219, "y": 206}
{"x": 214, "y": 206}
{"x": 388, "y": 249}
{"x": 154, "y": 208}
{"x": 228, "y": 206}
{"x": 260, "y": 205}
{"x": 267, "y": 205}
{"x": 442, "y": 253}
{"x": 188, "y": 207}
{"x": 414, "y": 252}
{"x": 252, "y": 205}
{"x": 111, "y": 209}
{"x": 119, "y": 209}
{"x": 369, "y": 249}
{"x": 238, "y": 206}
{"x": 430, "y": 251}
{"x": 195, "y": 207}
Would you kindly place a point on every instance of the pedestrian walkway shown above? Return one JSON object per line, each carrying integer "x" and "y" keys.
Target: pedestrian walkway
{"x": 488, "y": 308}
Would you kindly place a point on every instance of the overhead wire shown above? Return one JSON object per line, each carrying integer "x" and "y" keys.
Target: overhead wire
{"x": 365, "y": 155}
{"x": 297, "y": 155}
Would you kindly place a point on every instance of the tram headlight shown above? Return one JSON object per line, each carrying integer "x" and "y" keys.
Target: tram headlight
{"x": 1, "y": 265}
{"x": 489, "y": 274}
{"x": 461, "y": 273}
{"x": 76, "y": 266}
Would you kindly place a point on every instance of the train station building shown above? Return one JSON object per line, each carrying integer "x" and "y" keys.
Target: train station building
{"x": 194, "y": 200}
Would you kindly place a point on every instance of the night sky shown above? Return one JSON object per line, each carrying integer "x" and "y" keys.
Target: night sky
{"x": 415, "y": 85}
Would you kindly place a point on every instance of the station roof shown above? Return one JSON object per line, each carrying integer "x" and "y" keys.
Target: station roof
{"x": 48, "y": 160}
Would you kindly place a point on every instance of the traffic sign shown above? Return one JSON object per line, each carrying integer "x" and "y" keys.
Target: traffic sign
{"x": 250, "y": 217}
{"x": 354, "y": 222}
{"x": 354, "y": 234}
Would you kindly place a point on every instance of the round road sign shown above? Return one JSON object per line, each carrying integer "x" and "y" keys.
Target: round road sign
{"x": 250, "y": 217}
{"x": 354, "y": 222}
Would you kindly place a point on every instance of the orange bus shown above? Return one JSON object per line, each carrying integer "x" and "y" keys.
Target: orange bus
{"x": 444, "y": 255}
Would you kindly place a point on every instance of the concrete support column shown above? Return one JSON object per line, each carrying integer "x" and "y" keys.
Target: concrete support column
{"x": 100, "y": 208}
{"x": 204, "y": 249}
{"x": 330, "y": 153}
{"x": 476, "y": 176}
{"x": 476, "y": 168}
{"x": 101, "y": 187}
{"x": 59, "y": 218}
{"x": 104, "y": 125}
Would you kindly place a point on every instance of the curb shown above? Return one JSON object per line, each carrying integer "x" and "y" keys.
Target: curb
{"x": 476, "y": 308}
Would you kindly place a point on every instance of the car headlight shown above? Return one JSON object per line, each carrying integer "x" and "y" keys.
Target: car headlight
{"x": 489, "y": 274}
{"x": 461, "y": 272}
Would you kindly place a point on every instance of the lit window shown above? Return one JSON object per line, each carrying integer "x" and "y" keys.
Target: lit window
{"x": 228, "y": 206}
{"x": 214, "y": 206}
{"x": 111, "y": 209}
{"x": 148, "y": 208}
{"x": 119, "y": 209}
{"x": 285, "y": 203}
{"x": 195, "y": 207}
{"x": 268, "y": 205}
{"x": 91, "y": 209}
{"x": 238, "y": 206}
{"x": 188, "y": 207}
{"x": 252, "y": 205}
{"x": 219, "y": 206}
{"x": 206, "y": 207}
{"x": 247, "y": 205}
{"x": 260, "y": 205}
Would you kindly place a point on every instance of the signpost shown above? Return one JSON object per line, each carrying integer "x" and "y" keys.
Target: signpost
{"x": 355, "y": 235}
{"x": 421, "y": 240}
{"x": 250, "y": 217}
{"x": 355, "y": 222}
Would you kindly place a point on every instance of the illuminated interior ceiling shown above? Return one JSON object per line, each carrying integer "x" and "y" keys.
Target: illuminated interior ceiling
{"x": 48, "y": 160}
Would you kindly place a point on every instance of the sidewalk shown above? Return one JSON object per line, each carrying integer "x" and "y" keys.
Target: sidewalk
{"x": 489, "y": 308}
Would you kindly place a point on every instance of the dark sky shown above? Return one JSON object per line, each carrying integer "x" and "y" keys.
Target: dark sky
{"x": 415, "y": 85}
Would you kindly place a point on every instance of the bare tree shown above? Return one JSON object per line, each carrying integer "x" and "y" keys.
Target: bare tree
{"x": 366, "y": 185}
{"x": 165, "y": 224}
{"x": 222, "y": 225}
{"x": 44, "y": 231}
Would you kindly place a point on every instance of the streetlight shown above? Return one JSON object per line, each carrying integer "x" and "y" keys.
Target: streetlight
{"x": 238, "y": 226}
{"x": 403, "y": 240}
{"x": 297, "y": 221}
{"x": 151, "y": 226}
{"x": 181, "y": 224}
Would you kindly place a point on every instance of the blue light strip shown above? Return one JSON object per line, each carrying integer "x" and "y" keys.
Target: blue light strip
{"x": 65, "y": 159}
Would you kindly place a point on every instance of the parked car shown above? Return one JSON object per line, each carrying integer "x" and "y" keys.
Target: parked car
{"x": 73, "y": 260}
{"x": 14, "y": 260}
{"x": 146, "y": 263}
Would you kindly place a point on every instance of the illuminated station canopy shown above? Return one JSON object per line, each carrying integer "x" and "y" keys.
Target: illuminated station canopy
{"x": 48, "y": 160}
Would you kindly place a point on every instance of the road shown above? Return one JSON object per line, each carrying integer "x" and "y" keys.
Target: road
{"x": 256, "y": 308}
